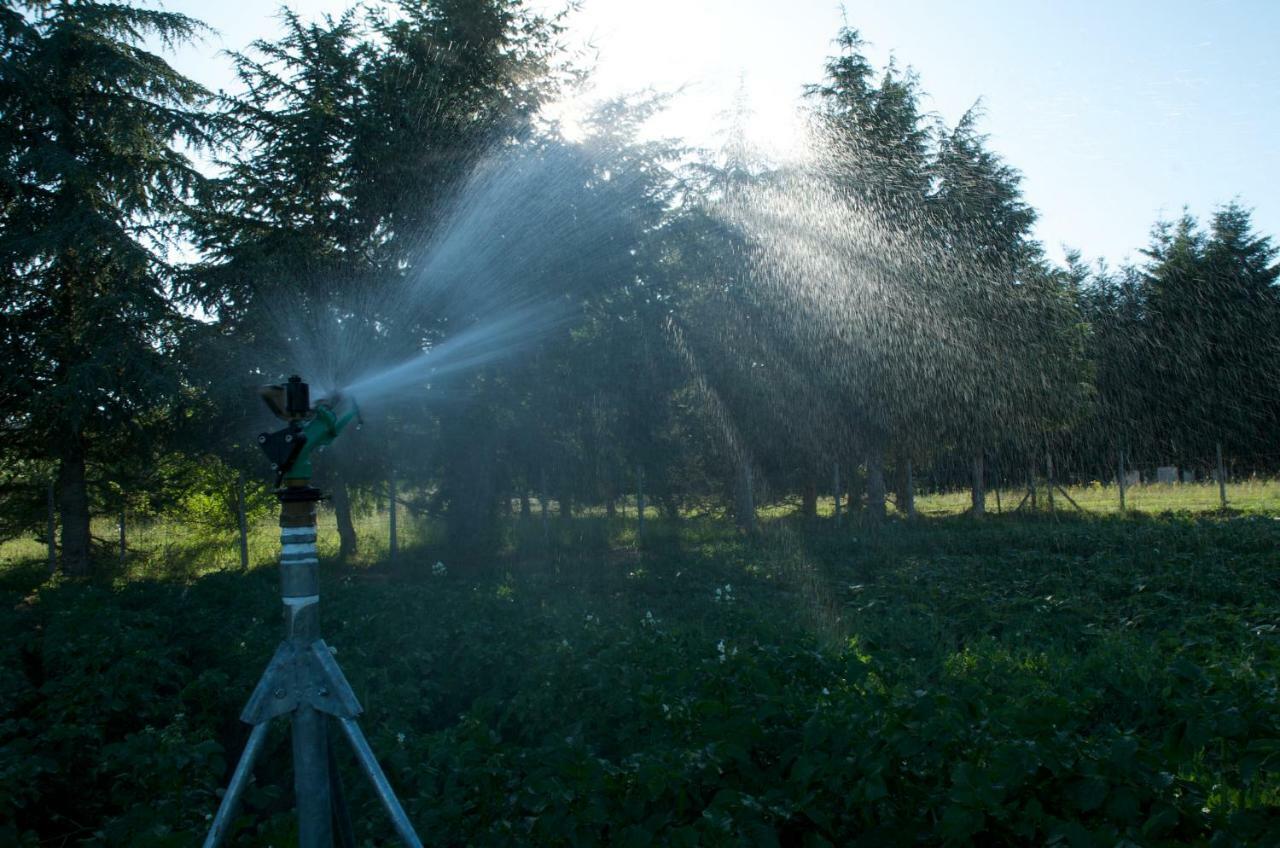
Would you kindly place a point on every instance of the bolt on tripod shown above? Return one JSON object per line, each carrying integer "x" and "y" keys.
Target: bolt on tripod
{"x": 303, "y": 680}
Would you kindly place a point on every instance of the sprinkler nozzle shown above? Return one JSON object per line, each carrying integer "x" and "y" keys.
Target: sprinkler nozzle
{"x": 308, "y": 429}
{"x": 290, "y": 401}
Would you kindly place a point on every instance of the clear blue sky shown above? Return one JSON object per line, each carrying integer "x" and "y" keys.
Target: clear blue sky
{"x": 1116, "y": 112}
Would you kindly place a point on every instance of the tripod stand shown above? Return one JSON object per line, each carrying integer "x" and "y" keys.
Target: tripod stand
{"x": 304, "y": 682}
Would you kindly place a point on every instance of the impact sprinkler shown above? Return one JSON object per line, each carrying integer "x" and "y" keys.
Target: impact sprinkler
{"x": 303, "y": 679}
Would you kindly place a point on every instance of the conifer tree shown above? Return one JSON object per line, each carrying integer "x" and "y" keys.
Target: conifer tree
{"x": 1242, "y": 350}
{"x": 94, "y": 187}
{"x": 286, "y": 259}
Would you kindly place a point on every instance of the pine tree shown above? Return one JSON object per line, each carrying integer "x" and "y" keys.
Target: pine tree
{"x": 1242, "y": 350}
{"x": 876, "y": 147}
{"x": 1175, "y": 338}
{"x": 288, "y": 262}
{"x": 94, "y": 189}
{"x": 1019, "y": 345}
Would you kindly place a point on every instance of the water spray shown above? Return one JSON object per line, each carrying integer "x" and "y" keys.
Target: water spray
{"x": 303, "y": 679}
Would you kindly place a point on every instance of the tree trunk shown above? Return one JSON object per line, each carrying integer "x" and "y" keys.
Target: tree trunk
{"x": 809, "y": 500}
{"x": 566, "y": 505}
{"x": 745, "y": 506}
{"x": 348, "y": 542}
{"x": 73, "y": 503}
{"x": 124, "y": 549}
{"x": 979, "y": 494}
{"x": 639, "y": 501}
{"x": 670, "y": 506}
{"x": 242, "y": 521}
{"x": 542, "y": 506}
{"x": 526, "y": 510}
{"x": 835, "y": 489}
{"x": 610, "y": 508}
{"x": 875, "y": 485}
{"x": 907, "y": 494}
{"x": 393, "y": 548}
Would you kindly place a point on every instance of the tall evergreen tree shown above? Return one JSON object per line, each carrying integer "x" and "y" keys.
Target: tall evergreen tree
{"x": 94, "y": 187}
{"x": 1018, "y": 351}
{"x": 287, "y": 261}
{"x": 876, "y": 148}
{"x": 1242, "y": 351}
{"x": 1175, "y": 337}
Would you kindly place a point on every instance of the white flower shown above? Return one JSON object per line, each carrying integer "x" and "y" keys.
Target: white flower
{"x": 648, "y": 620}
{"x": 439, "y": 570}
{"x": 400, "y": 738}
{"x": 826, "y": 691}
{"x": 720, "y": 649}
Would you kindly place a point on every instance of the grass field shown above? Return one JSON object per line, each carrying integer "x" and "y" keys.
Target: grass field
{"x": 1253, "y": 496}
{"x": 1023, "y": 680}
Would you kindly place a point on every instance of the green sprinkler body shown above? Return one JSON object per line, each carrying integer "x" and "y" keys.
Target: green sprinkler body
{"x": 307, "y": 430}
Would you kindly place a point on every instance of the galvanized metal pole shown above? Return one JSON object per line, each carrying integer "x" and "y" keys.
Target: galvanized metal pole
{"x": 300, "y": 590}
{"x": 368, "y": 762}
{"x": 231, "y": 798}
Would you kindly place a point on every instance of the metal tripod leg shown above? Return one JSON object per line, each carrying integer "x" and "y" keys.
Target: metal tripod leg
{"x": 374, "y": 772}
{"x": 341, "y": 815}
{"x": 231, "y": 798}
{"x": 311, "y": 782}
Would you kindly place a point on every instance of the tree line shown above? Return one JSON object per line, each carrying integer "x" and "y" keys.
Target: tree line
{"x": 727, "y": 329}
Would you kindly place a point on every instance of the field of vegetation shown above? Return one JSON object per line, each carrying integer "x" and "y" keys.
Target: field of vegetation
{"x": 1084, "y": 680}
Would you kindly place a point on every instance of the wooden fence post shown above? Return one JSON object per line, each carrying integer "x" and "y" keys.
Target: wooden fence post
{"x": 978, "y": 497}
{"x": 1051, "y": 482}
{"x": 639, "y": 502}
{"x": 911, "y": 491}
{"x": 1121, "y": 481}
{"x": 1222, "y": 478}
{"x": 52, "y": 529}
{"x": 242, "y": 521}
